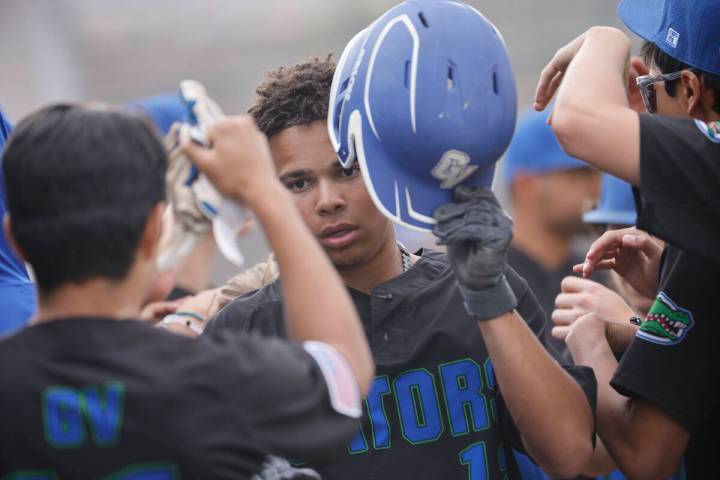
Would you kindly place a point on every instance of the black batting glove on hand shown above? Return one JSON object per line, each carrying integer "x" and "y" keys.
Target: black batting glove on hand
{"x": 477, "y": 233}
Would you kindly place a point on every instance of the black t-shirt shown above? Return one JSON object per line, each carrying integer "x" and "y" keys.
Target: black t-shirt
{"x": 101, "y": 398}
{"x": 674, "y": 362}
{"x": 679, "y": 199}
{"x": 434, "y": 410}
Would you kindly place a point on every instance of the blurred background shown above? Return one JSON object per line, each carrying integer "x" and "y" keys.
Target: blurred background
{"x": 116, "y": 51}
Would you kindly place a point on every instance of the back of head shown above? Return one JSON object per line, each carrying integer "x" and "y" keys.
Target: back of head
{"x": 295, "y": 95}
{"x": 678, "y": 35}
{"x": 81, "y": 182}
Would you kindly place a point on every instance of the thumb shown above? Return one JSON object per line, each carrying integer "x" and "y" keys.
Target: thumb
{"x": 200, "y": 156}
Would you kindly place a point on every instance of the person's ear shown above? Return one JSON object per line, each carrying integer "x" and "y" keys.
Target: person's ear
{"x": 691, "y": 90}
{"x": 10, "y": 236}
{"x": 150, "y": 240}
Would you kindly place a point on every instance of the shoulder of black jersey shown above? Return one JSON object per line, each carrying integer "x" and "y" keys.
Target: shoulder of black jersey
{"x": 239, "y": 310}
{"x": 657, "y": 125}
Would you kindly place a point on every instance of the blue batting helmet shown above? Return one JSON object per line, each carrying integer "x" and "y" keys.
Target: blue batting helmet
{"x": 424, "y": 99}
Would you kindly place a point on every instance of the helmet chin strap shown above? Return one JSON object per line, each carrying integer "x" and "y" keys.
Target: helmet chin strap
{"x": 405, "y": 257}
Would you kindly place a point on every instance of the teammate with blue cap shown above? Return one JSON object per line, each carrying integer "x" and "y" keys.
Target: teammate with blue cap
{"x": 617, "y": 204}
{"x": 17, "y": 292}
{"x": 163, "y": 109}
{"x": 661, "y": 403}
{"x": 548, "y": 192}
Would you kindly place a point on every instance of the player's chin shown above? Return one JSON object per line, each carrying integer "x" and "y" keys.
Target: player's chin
{"x": 345, "y": 258}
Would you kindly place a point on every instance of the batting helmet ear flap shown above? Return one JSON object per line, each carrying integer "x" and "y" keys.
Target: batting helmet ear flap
{"x": 424, "y": 98}
{"x": 340, "y": 91}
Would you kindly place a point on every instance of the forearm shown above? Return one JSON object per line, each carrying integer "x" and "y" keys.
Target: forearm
{"x": 601, "y": 463}
{"x": 317, "y": 305}
{"x": 194, "y": 274}
{"x": 612, "y": 408}
{"x": 592, "y": 106}
{"x": 549, "y": 408}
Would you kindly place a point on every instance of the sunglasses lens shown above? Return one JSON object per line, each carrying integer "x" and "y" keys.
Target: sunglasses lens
{"x": 652, "y": 99}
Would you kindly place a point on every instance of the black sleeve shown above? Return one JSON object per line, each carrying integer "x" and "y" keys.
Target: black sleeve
{"x": 277, "y": 398}
{"x": 258, "y": 312}
{"x": 678, "y": 199}
{"x": 530, "y": 310}
{"x": 674, "y": 361}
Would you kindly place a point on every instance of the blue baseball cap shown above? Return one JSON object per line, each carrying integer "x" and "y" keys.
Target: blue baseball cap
{"x": 535, "y": 150}
{"x": 163, "y": 110}
{"x": 687, "y": 30}
{"x": 617, "y": 204}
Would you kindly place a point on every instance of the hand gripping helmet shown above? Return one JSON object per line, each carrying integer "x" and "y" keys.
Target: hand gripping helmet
{"x": 424, "y": 99}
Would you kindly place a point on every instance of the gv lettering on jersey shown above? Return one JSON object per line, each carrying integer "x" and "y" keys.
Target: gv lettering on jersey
{"x": 71, "y": 416}
{"x": 419, "y": 408}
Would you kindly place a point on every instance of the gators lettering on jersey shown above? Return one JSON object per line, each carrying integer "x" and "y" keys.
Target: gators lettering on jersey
{"x": 434, "y": 410}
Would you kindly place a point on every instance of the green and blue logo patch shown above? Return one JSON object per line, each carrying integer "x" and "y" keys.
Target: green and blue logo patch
{"x": 666, "y": 323}
{"x": 710, "y": 130}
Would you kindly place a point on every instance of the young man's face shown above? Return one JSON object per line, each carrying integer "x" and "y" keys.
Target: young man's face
{"x": 333, "y": 201}
{"x": 563, "y": 197}
{"x": 666, "y": 105}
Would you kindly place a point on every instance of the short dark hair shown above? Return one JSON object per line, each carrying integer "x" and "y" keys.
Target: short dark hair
{"x": 81, "y": 182}
{"x": 296, "y": 95}
{"x": 652, "y": 55}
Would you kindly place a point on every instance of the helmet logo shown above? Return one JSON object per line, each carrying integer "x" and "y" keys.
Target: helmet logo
{"x": 453, "y": 168}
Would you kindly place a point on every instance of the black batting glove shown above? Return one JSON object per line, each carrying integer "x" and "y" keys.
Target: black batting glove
{"x": 477, "y": 233}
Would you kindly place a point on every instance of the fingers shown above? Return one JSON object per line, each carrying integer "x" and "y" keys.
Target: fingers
{"x": 200, "y": 156}
{"x": 560, "y": 332}
{"x": 567, "y": 300}
{"x": 573, "y": 284}
{"x": 603, "y": 249}
{"x": 548, "y": 78}
{"x": 562, "y": 316}
{"x": 637, "y": 68}
{"x": 642, "y": 242}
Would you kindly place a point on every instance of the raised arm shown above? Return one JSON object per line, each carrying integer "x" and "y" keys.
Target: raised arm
{"x": 318, "y": 306}
{"x": 592, "y": 102}
{"x": 549, "y": 408}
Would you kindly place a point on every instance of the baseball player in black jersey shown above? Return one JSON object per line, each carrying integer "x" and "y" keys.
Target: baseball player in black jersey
{"x": 94, "y": 393}
{"x": 661, "y": 402}
{"x": 435, "y": 409}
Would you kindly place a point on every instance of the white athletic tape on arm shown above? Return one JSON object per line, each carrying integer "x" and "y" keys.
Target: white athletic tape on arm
{"x": 339, "y": 377}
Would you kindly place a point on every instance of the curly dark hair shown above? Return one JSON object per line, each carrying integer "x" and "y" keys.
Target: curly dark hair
{"x": 296, "y": 95}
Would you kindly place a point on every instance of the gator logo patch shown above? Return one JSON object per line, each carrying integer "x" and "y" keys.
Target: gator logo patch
{"x": 710, "y": 130}
{"x": 666, "y": 323}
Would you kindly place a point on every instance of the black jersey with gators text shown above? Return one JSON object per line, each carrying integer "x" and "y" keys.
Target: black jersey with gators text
{"x": 434, "y": 411}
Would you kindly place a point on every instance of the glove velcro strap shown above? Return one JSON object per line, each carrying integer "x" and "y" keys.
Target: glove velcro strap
{"x": 491, "y": 302}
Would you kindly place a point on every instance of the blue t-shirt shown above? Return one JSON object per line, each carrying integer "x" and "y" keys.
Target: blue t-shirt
{"x": 17, "y": 293}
